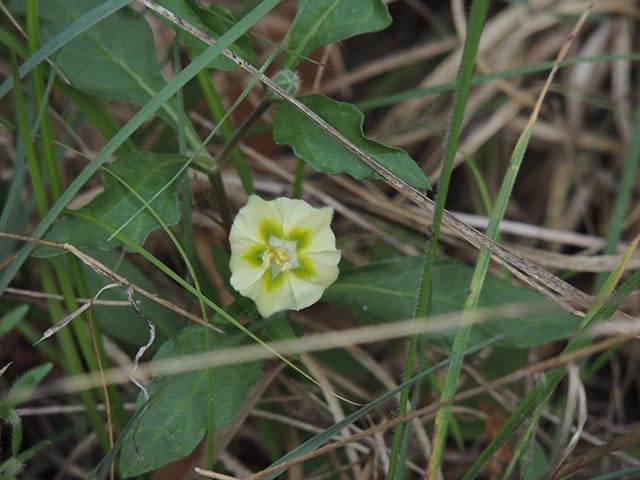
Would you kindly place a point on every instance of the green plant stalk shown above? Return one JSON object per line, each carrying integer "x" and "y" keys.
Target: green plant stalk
{"x": 46, "y": 134}
{"x": 55, "y": 184}
{"x": 475, "y": 26}
{"x": 188, "y": 238}
{"x": 601, "y": 310}
{"x": 623, "y": 199}
{"x": 59, "y": 40}
{"x": 131, "y": 126}
{"x": 231, "y": 144}
{"x": 444, "y": 415}
{"x": 220, "y": 197}
{"x": 487, "y": 203}
{"x": 523, "y": 444}
{"x": 462, "y": 336}
{"x": 187, "y": 218}
{"x": 71, "y": 361}
{"x": 226, "y": 130}
{"x": 12, "y": 42}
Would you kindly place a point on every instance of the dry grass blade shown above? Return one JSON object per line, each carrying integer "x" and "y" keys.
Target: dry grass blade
{"x": 622, "y": 441}
{"x": 571, "y": 298}
{"x": 465, "y": 395}
{"x": 106, "y": 272}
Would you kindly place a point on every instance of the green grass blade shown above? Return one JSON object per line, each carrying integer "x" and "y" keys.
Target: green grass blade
{"x": 143, "y": 114}
{"x": 323, "y": 437}
{"x": 226, "y": 130}
{"x": 443, "y": 418}
{"x": 387, "y": 100}
{"x": 544, "y": 388}
{"x": 423, "y": 307}
{"x": 623, "y": 199}
{"x": 618, "y": 474}
{"x": 61, "y": 39}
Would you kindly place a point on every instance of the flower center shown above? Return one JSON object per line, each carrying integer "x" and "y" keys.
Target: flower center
{"x": 280, "y": 256}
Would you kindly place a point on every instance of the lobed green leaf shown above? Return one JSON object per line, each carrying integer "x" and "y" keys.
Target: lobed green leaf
{"x": 146, "y": 174}
{"x": 326, "y": 155}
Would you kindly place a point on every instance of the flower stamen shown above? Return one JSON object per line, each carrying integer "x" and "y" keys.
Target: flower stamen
{"x": 283, "y": 253}
{"x": 280, "y": 256}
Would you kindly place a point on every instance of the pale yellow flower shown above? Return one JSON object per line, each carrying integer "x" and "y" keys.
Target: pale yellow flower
{"x": 283, "y": 253}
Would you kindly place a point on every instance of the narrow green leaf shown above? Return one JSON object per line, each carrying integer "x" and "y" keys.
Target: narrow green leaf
{"x": 12, "y": 318}
{"x": 101, "y": 60}
{"x": 386, "y": 291}
{"x": 321, "y": 22}
{"x": 326, "y": 155}
{"x": 22, "y": 387}
{"x": 321, "y": 438}
{"x": 145, "y": 173}
{"x": 176, "y": 422}
{"x": 56, "y": 42}
{"x": 618, "y": 474}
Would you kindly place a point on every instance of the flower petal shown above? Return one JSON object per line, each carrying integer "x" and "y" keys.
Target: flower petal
{"x": 245, "y": 276}
{"x": 247, "y": 224}
{"x": 261, "y": 226}
{"x": 274, "y": 300}
{"x": 299, "y": 214}
{"x": 305, "y": 293}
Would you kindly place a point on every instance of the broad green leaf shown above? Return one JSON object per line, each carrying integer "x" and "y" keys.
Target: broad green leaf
{"x": 386, "y": 291}
{"x": 321, "y": 22}
{"x": 95, "y": 112}
{"x": 176, "y": 422}
{"x": 214, "y": 20}
{"x": 12, "y": 318}
{"x": 114, "y": 59}
{"x": 326, "y": 155}
{"x": 534, "y": 465}
{"x": 122, "y": 322}
{"x": 146, "y": 173}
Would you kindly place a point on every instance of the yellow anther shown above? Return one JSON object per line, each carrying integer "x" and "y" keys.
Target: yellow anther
{"x": 279, "y": 255}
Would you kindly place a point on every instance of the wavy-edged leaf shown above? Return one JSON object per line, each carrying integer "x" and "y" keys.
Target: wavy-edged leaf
{"x": 146, "y": 173}
{"x": 386, "y": 291}
{"x": 176, "y": 421}
{"x": 321, "y": 22}
{"x": 326, "y": 155}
